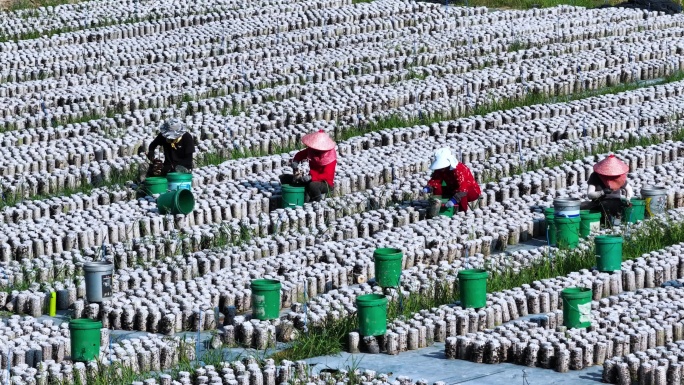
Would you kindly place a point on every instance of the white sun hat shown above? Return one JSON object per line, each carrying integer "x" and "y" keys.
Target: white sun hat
{"x": 443, "y": 158}
{"x": 173, "y": 129}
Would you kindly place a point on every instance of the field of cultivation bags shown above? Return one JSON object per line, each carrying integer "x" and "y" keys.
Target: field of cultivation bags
{"x": 528, "y": 100}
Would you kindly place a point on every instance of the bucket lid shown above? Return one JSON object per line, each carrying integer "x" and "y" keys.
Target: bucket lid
{"x": 84, "y": 324}
{"x": 652, "y": 189}
{"x": 473, "y": 274}
{"x": 269, "y": 284}
{"x": 98, "y": 267}
{"x": 371, "y": 299}
{"x": 575, "y": 292}
{"x": 611, "y": 166}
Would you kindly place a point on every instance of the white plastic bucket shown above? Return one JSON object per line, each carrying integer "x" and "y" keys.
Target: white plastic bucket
{"x": 98, "y": 280}
{"x": 656, "y": 199}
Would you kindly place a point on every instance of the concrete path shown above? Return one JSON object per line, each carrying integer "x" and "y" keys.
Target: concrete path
{"x": 431, "y": 365}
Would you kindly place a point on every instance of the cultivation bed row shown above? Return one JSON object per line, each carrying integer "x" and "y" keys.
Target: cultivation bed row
{"x": 40, "y": 350}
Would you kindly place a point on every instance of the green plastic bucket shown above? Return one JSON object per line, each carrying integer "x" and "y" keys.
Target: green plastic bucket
{"x": 636, "y": 212}
{"x": 293, "y": 196}
{"x": 179, "y": 181}
{"x": 567, "y": 232}
{"x": 265, "y": 299}
{"x": 608, "y": 252}
{"x": 447, "y": 211}
{"x": 155, "y": 185}
{"x": 549, "y": 215}
{"x": 473, "y": 287}
{"x": 176, "y": 202}
{"x": 85, "y": 339}
{"x": 589, "y": 221}
{"x": 576, "y": 307}
{"x": 372, "y": 312}
{"x": 387, "y": 266}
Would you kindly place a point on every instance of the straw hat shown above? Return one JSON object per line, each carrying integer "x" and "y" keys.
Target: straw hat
{"x": 318, "y": 141}
{"x": 173, "y": 129}
{"x": 443, "y": 158}
{"x": 611, "y": 166}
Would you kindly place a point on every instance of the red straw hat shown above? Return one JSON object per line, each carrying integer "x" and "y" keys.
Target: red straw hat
{"x": 611, "y": 166}
{"x": 318, "y": 141}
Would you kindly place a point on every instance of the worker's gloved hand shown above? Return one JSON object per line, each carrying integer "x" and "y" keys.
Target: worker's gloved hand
{"x": 427, "y": 189}
{"x": 607, "y": 191}
{"x": 451, "y": 203}
{"x": 459, "y": 195}
{"x": 150, "y": 156}
{"x": 306, "y": 178}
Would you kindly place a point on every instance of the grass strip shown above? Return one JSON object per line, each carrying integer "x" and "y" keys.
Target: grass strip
{"x": 489, "y": 175}
{"x": 527, "y": 4}
{"x": 529, "y": 99}
{"x": 331, "y": 337}
{"x": 120, "y": 373}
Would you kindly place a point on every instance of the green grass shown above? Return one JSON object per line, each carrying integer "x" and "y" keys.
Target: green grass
{"x": 214, "y": 158}
{"x": 327, "y": 339}
{"x": 29, "y": 278}
{"x": 517, "y": 45}
{"x": 117, "y": 373}
{"x": 527, "y": 4}
{"x": 331, "y": 338}
{"x": 18, "y": 5}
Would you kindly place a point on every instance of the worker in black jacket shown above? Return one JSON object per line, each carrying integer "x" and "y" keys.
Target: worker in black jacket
{"x": 178, "y": 147}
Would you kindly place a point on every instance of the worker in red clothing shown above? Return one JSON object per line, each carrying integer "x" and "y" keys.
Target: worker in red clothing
{"x": 460, "y": 187}
{"x": 322, "y": 157}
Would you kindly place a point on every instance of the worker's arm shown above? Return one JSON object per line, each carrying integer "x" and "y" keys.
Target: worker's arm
{"x": 158, "y": 141}
{"x": 435, "y": 183}
{"x": 301, "y": 155}
{"x": 593, "y": 192}
{"x": 629, "y": 193}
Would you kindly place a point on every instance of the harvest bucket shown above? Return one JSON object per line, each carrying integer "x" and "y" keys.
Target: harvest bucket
{"x": 636, "y": 212}
{"x": 655, "y": 198}
{"x": 372, "y": 310}
{"x": 179, "y": 180}
{"x": 608, "y": 252}
{"x": 292, "y": 196}
{"x": 549, "y": 215}
{"x": 473, "y": 287}
{"x": 265, "y": 299}
{"x": 98, "y": 280}
{"x": 576, "y": 307}
{"x": 589, "y": 221}
{"x": 85, "y": 339}
{"x": 567, "y": 207}
{"x": 176, "y": 202}
{"x": 155, "y": 185}
{"x": 387, "y": 266}
{"x": 567, "y": 232}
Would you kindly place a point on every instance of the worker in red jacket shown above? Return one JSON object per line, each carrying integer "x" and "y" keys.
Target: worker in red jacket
{"x": 460, "y": 187}
{"x": 322, "y": 157}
